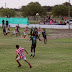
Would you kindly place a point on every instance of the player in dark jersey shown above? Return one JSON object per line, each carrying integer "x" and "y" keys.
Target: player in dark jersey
{"x": 44, "y": 36}
{"x": 18, "y": 29}
{"x": 31, "y": 34}
{"x": 4, "y": 30}
{"x": 33, "y": 46}
{"x": 36, "y": 34}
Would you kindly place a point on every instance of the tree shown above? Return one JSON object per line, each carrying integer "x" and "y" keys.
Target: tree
{"x": 60, "y": 10}
{"x": 48, "y": 8}
{"x": 32, "y": 8}
{"x": 67, "y": 4}
{"x": 7, "y": 12}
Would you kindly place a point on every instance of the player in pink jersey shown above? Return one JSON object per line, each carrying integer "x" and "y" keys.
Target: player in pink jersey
{"x": 25, "y": 31}
{"x": 15, "y": 32}
{"x": 39, "y": 29}
{"x": 8, "y": 30}
{"x": 19, "y": 52}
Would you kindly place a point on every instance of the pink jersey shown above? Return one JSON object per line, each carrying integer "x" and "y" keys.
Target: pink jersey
{"x": 20, "y": 52}
{"x": 39, "y": 29}
{"x": 8, "y": 28}
{"x": 15, "y": 29}
{"x": 26, "y": 29}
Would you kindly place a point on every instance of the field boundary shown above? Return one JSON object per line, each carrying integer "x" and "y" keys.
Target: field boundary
{"x": 43, "y": 26}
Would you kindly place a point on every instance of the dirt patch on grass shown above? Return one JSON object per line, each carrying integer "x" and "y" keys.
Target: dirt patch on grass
{"x": 55, "y": 34}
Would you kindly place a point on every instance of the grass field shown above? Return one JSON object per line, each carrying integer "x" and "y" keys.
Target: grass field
{"x": 55, "y": 56}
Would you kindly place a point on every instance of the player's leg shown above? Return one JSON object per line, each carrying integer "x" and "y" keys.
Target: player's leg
{"x": 4, "y": 32}
{"x": 16, "y": 34}
{"x": 24, "y": 34}
{"x": 27, "y": 62}
{"x": 44, "y": 40}
{"x": 19, "y": 33}
{"x": 12, "y": 34}
{"x": 34, "y": 49}
{"x": 31, "y": 50}
{"x": 18, "y": 61}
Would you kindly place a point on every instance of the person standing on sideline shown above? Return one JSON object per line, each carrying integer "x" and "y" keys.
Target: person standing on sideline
{"x": 7, "y": 23}
{"x": 21, "y": 54}
{"x": 44, "y": 36}
{"x": 3, "y": 22}
{"x": 4, "y": 30}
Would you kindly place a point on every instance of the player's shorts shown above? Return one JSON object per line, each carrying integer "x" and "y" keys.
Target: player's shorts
{"x": 44, "y": 37}
{"x": 21, "y": 58}
{"x": 4, "y": 30}
{"x": 38, "y": 33}
{"x": 24, "y": 33}
{"x": 7, "y": 31}
{"x": 33, "y": 46}
{"x": 15, "y": 32}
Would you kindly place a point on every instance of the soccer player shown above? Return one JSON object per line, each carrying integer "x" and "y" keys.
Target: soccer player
{"x": 25, "y": 31}
{"x": 39, "y": 29}
{"x": 15, "y": 32}
{"x": 44, "y": 36}
{"x": 4, "y": 30}
{"x": 31, "y": 32}
{"x": 18, "y": 29}
{"x": 19, "y": 52}
{"x": 36, "y": 33}
{"x": 8, "y": 30}
{"x": 33, "y": 46}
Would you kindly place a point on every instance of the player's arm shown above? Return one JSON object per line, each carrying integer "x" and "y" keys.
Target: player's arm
{"x": 25, "y": 51}
{"x": 16, "y": 56}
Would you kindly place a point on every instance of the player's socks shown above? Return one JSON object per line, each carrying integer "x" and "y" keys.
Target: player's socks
{"x": 30, "y": 66}
{"x": 19, "y": 66}
{"x": 18, "y": 63}
{"x": 28, "y": 63}
{"x": 30, "y": 55}
{"x": 34, "y": 55}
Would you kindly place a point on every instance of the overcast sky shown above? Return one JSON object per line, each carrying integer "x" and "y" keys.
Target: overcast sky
{"x": 19, "y": 3}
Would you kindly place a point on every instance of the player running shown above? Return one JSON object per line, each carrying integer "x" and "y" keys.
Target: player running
{"x": 25, "y": 31}
{"x": 44, "y": 36}
{"x": 8, "y": 30}
{"x": 39, "y": 29}
{"x": 15, "y": 32}
{"x": 33, "y": 46}
{"x": 19, "y": 52}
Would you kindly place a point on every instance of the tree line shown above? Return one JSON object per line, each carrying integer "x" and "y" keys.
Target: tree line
{"x": 34, "y": 8}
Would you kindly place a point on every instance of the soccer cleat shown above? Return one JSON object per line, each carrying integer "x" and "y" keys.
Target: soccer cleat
{"x": 30, "y": 55}
{"x": 30, "y": 66}
{"x": 19, "y": 66}
{"x": 33, "y": 55}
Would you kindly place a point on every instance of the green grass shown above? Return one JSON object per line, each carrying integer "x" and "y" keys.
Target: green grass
{"x": 34, "y": 22}
{"x": 55, "y": 56}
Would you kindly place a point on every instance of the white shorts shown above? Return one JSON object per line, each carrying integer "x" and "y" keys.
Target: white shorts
{"x": 15, "y": 32}
{"x": 38, "y": 33}
{"x": 21, "y": 58}
{"x": 7, "y": 31}
{"x": 24, "y": 33}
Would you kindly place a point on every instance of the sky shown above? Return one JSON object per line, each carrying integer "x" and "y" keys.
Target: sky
{"x": 19, "y": 3}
